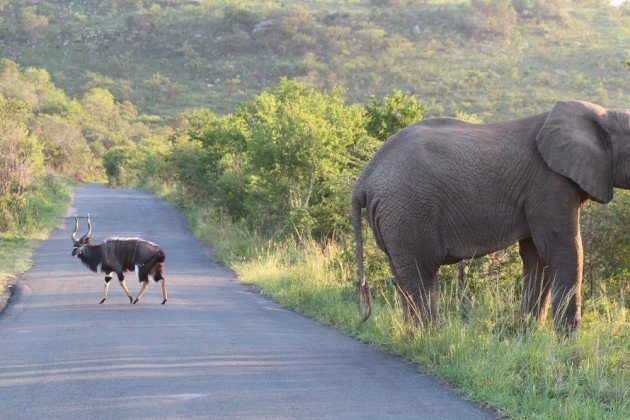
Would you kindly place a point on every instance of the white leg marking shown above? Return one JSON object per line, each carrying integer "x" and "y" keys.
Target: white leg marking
{"x": 105, "y": 292}
{"x": 164, "y": 295}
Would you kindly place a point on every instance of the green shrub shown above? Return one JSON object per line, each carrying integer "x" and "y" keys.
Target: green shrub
{"x": 491, "y": 17}
{"x": 303, "y": 149}
{"x": 606, "y": 240}
{"x": 116, "y": 163}
{"x": 21, "y": 158}
{"x": 391, "y": 113}
{"x": 190, "y": 162}
{"x": 542, "y": 10}
{"x": 65, "y": 149}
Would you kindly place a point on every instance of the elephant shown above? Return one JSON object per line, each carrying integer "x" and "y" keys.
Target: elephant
{"x": 443, "y": 190}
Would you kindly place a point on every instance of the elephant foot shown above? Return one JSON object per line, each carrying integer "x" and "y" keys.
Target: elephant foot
{"x": 102, "y": 300}
{"x": 164, "y": 301}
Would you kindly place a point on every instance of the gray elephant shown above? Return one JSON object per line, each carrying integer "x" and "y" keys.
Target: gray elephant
{"x": 443, "y": 190}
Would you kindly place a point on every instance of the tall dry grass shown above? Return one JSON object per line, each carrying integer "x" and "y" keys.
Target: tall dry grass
{"x": 480, "y": 343}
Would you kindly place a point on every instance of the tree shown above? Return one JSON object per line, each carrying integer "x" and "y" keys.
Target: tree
{"x": 65, "y": 149}
{"x": 301, "y": 157}
{"x": 391, "y": 113}
{"x": 116, "y": 163}
{"x": 220, "y": 136}
{"x": 21, "y": 158}
{"x": 104, "y": 122}
{"x": 21, "y": 164}
{"x": 32, "y": 25}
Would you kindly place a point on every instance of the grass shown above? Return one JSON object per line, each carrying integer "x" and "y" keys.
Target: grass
{"x": 479, "y": 347}
{"x": 43, "y": 206}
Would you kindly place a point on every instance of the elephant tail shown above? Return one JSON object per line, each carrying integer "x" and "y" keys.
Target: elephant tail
{"x": 365, "y": 298}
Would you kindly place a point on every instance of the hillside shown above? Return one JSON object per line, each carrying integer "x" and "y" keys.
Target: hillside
{"x": 495, "y": 58}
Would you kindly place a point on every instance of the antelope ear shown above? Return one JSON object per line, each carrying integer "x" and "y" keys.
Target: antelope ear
{"x": 574, "y": 144}
{"x": 86, "y": 240}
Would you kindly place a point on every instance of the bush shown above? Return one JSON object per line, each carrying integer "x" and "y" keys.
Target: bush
{"x": 285, "y": 161}
{"x": 21, "y": 164}
{"x": 605, "y": 234}
{"x": 301, "y": 156}
{"x": 65, "y": 149}
{"x": 542, "y": 10}
{"x": 237, "y": 18}
{"x": 189, "y": 160}
{"x": 491, "y": 17}
{"x": 116, "y": 162}
{"x": 390, "y": 114}
{"x": 32, "y": 25}
{"x": 21, "y": 158}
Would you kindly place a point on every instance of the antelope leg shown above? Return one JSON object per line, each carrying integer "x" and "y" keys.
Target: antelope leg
{"x": 164, "y": 295}
{"x": 124, "y": 286}
{"x": 144, "y": 286}
{"x": 107, "y": 280}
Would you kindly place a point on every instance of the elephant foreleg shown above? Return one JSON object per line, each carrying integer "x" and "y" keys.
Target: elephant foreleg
{"x": 561, "y": 251}
{"x": 535, "y": 295}
{"x": 565, "y": 273}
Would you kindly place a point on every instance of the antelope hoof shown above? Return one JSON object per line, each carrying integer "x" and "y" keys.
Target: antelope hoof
{"x": 102, "y": 300}
{"x": 164, "y": 301}
{"x": 135, "y": 301}
{"x": 131, "y": 300}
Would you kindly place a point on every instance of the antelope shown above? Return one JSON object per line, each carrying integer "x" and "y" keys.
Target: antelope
{"x": 119, "y": 255}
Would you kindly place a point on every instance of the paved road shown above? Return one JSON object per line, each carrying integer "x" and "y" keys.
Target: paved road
{"x": 217, "y": 349}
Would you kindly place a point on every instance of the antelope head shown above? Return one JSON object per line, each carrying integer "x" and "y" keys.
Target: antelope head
{"x": 79, "y": 243}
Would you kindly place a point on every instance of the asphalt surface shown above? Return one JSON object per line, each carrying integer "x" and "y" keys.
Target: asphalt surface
{"x": 217, "y": 349}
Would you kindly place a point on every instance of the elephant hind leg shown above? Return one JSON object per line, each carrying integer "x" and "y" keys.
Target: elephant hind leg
{"x": 418, "y": 287}
{"x": 535, "y": 295}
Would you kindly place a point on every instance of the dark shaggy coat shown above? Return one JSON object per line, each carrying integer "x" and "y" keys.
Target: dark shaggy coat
{"x": 124, "y": 254}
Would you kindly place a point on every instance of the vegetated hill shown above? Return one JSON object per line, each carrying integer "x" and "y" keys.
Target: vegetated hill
{"x": 496, "y": 58}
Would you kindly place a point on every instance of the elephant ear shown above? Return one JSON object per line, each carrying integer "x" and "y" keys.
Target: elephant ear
{"x": 574, "y": 144}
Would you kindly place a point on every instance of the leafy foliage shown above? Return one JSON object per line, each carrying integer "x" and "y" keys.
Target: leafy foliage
{"x": 43, "y": 131}
{"x": 285, "y": 160}
{"x": 300, "y": 156}
{"x": 392, "y": 113}
{"x": 41, "y": 207}
{"x": 115, "y": 161}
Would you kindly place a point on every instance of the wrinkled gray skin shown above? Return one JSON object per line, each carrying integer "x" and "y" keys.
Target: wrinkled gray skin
{"x": 443, "y": 190}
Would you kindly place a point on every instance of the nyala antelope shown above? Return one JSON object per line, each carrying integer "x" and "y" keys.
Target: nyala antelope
{"x": 119, "y": 255}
